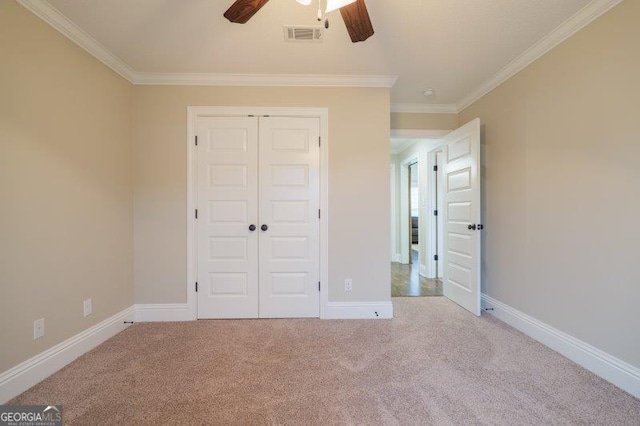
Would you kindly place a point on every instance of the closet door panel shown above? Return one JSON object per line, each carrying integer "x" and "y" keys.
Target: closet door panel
{"x": 289, "y": 188}
{"x": 227, "y": 200}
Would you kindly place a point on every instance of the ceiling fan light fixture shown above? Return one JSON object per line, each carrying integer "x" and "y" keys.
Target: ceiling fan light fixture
{"x": 304, "y": 2}
{"x": 337, "y": 4}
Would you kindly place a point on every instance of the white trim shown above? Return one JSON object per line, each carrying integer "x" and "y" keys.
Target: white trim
{"x": 265, "y": 80}
{"x": 432, "y": 223}
{"x": 404, "y": 211}
{"x": 439, "y": 203}
{"x": 73, "y": 32}
{"x": 359, "y": 310}
{"x": 575, "y": 23}
{"x": 396, "y": 258}
{"x": 394, "y": 211}
{"x": 192, "y": 114}
{"x": 58, "y": 21}
{"x": 192, "y": 252}
{"x": 162, "y": 312}
{"x": 418, "y": 134}
{"x": 610, "y": 368}
{"x": 324, "y": 206}
{"x": 424, "y": 108}
{"x": 423, "y": 270}
{"x": 32, "y": 371}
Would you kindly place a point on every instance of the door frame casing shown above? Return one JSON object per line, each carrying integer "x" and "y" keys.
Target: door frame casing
{"x": 395, "y": 254}
{"x": 434, "y": 245}
{"x": 193, "y": 112}
{"x": 405, "y": 210}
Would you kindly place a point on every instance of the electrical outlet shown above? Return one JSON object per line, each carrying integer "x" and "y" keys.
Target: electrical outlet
{"x": 88, "y": 307}
{"x": 348, "y": 284}
{"x": 38, "y": 328}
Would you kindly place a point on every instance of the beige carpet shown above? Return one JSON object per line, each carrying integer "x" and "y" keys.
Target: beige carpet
{"x": 433, "y": 364}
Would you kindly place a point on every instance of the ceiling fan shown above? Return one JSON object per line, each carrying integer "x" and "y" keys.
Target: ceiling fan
{"x": 354, "y": 14}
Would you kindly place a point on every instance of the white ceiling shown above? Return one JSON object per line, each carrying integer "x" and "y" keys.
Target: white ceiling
{"x": 400, "y": 144}
{"x": 452, "y": 46}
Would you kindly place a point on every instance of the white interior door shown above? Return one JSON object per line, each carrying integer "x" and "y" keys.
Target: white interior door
{"x": 258, "y": 197}
{"x": 227, "y": 200}
{"x": 461, "y": 275}
{"x": 289, "y": 217}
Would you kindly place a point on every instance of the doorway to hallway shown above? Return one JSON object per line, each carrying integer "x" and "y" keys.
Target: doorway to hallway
{"x": 452, "y": 203}
{"x": 406, "y": 280}
{"x": 414, "y": 188}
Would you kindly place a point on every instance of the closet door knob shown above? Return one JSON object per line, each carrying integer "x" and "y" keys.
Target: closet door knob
{"x": 472, "y": 227}
{"x": 264, "y": 227}
{"x": 252, "y": 227}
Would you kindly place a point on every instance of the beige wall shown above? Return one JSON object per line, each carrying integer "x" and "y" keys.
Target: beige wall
{"x": 560, "y": 147}
{"x": 65, "y": 187}
{"x": 424, "y": 121}
{"x": 358, "y": 184}
{"x": 562, "y": 186}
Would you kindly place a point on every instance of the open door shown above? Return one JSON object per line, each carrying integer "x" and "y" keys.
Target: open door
{"x": 461, "y": 216}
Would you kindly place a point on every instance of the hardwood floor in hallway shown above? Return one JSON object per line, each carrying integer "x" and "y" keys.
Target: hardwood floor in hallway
{"x": 407, "y": 282}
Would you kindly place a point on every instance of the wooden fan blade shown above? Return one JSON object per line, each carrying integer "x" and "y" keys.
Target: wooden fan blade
{"x": 356, "y": 18}
{"x": 242, "y": 10}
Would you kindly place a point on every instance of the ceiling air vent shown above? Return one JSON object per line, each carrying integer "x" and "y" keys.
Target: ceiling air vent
{"x": 303, "y": 34}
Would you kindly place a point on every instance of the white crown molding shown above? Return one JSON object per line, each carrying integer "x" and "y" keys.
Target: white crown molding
{"x": 581, "y": 19}
{"x": 265, "y": 80}
{"x": 425, "y": 108}
{"x": 610, "y": 368}
{"x": 34, "y": 370}
{"x": 57, "y": 20}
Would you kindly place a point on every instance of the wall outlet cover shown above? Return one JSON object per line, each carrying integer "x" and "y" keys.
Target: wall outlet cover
{"x": 38, "y": 328}
{"x": 88, "y": 307}
{"x": 348, "y": 284}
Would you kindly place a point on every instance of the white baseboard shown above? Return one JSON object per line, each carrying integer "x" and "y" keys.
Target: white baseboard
{"x": 359, "y": 310}
{"x": 32, "y": 371}
{"x": 163, "y": 312}
{"x": 610, "y": 368}
{"x": 423, "y": 271}
{"x": 335, "y": 310}
{"x": 396, "y": 257}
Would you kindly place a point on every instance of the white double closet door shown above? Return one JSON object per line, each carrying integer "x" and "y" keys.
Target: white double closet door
{"x": 258, "y": 220}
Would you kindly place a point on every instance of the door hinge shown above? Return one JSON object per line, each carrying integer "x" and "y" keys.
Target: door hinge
{"x": 435, "y": 212}
{"x": 196, "y": 286}
{"x": 196, "y": 141}
{"x": 435, "y": 257}
{"x": 319, "y": 140}
{"x": 318, "y": 285}
{"x": 435, "y": 168}
{"x": 196, "y": 213}
{"x": 318, "y": 213}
